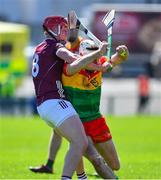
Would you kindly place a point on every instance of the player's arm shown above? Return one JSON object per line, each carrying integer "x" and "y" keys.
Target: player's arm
{"x": 94, "y": 67}
{"x": 104, "y": 64}
{"x": 66, "y": 55}
{"x": 120, "y": 56}
{"x": 83, "y": 61}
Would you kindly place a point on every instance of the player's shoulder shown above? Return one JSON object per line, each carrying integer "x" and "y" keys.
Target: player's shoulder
{"x": 51, "y": 42}
{"x": 47, "y": 43}
{"x": 40, "y": 46}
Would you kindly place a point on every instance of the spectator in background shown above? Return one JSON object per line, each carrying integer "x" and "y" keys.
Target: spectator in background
{"x": 143, "y": 88}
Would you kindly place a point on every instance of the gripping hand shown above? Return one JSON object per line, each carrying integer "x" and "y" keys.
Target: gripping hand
{"x": 123, "y": 52}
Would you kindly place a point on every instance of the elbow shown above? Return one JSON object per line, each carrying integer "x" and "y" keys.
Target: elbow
{"x": 73, "y": 68}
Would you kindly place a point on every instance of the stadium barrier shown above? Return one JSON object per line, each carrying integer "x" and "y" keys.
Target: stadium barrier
{"x": 113, "y": 104}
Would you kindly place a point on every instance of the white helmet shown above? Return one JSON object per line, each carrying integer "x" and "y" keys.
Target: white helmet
{"x": 86, "y": 46}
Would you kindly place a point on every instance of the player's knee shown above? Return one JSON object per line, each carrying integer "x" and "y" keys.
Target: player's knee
{"x": 115, "y": 166}
{"x": 81, "y": 145}
{"x": 97, "y": 161}
{"x": 84, "y": 145}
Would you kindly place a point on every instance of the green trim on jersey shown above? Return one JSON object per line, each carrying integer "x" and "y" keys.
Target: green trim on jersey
{"x": 83, "y": 90}
{"x": 85, "y": 102}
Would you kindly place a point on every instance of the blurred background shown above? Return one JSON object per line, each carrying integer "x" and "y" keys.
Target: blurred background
{"x": 132, "y": 88}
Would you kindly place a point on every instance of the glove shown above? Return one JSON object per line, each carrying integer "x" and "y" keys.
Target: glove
{"x": 123, "y": 52}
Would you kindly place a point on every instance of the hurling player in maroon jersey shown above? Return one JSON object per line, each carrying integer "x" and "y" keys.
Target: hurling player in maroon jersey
{"x": 52, "y": 104}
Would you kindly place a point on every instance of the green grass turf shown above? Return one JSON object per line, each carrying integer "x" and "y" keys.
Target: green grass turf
{"x": 24, "y": 142}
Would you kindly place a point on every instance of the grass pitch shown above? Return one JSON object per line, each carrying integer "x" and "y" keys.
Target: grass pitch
{"x": 24, "y": 142}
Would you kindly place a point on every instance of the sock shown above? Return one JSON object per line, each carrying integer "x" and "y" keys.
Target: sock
{"x": 82, "y": 176}
{"x": 66, "y": 178}
{"x": 49, "y": 164}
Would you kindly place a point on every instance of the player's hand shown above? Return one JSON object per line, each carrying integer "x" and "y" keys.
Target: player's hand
{"x": 123, "y": 52}
{"x": 106, "y": 67}
{"x": 104, "y": 64}
{"x": 121, "y": 55}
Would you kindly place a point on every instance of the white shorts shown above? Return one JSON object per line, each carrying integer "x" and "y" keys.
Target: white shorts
{"x": 56, "y": 111}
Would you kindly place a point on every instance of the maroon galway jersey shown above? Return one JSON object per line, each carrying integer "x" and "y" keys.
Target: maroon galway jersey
{"x": 47, "y": 71}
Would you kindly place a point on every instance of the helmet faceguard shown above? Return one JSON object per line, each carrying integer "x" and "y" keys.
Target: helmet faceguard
{"x": 56, "y": 26}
